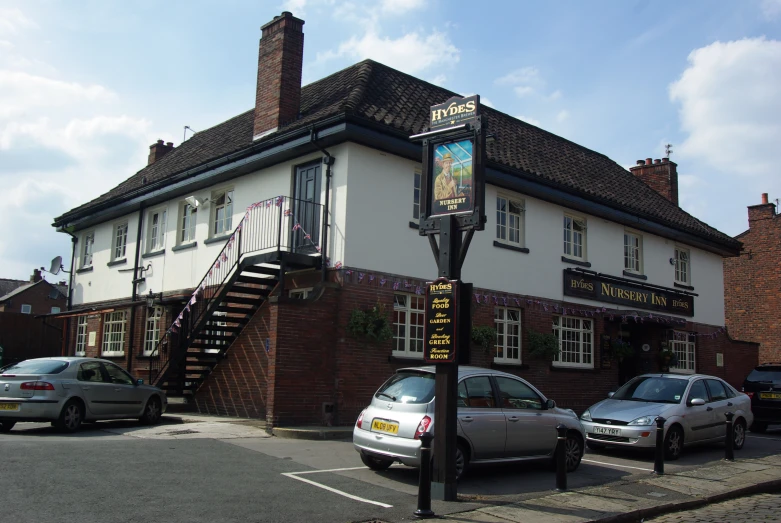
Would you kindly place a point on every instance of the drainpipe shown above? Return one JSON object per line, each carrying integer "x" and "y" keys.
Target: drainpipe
{"x": 328, "y": 160}
{"x": 69, "y": 303}
{"x": 135, "y": 288}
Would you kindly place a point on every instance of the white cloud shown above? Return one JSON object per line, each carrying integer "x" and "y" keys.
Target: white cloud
{"x": 297, "y": 7}
{"x": 771, "y": 9}
{"x": 529, "y": 120}
{"x": 485, "y": 101}
{"x": 399, "y": 7}
{"x": 555, "y": 95}
{"x": 525, "y": 75}
{"x": 21, "y": 91}
{"x": 523, "y": 90}
{"x": 562, "y": 115}
{"x": 439, "y": 79}
{"x": 13, "y": 21}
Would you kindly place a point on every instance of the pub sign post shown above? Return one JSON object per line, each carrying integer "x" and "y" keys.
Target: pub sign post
{"x": 452, "y": 205}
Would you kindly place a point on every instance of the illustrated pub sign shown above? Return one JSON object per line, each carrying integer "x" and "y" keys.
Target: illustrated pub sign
{"x": 439, "y": 331}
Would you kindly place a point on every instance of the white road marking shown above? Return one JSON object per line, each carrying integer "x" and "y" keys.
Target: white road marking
{"x": 326, "y": 470}
{"x": 331, "y": 489}
{"x": 615, "y": 465}
{"x": 763, "y": 437}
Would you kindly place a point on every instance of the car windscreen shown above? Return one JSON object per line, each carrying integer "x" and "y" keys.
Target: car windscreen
{"x": 765, "y": 375}
{"x": 652, "y": 389}
{"x": 37, "y": 367}
{"x": 408, "y": 387}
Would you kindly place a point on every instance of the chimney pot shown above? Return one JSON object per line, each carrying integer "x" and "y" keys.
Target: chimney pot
{"x": 657, "y": 161}
{"x": 640, "y": 162}
{"x": 764, "y": 198}
{"x": 158, "y": 150}
{"x": 649, "y": 161}
{"x": 665, "y": 160}
{"x": 36, "y": 277}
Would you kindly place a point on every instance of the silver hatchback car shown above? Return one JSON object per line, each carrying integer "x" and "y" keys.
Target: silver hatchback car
{"x": 67, "y": 391}
{"x": 693, "y": 406}
{"x": 500, "y": 418}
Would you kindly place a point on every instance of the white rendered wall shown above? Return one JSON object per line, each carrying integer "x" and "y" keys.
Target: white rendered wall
{"x": 379, "y": 209}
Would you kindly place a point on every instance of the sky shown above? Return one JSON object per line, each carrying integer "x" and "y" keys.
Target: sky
{"x": 86, "y": 86}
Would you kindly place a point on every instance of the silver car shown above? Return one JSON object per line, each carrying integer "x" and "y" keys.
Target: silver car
{"x": 694, "y": 407}
{"x": 500, "y": 418}
{"x": 67, "y": 391}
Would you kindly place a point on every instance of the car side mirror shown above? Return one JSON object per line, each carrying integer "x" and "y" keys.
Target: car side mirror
{"x": 139, "y": 382}
{"x": 611, "y": 394}
{"x": 550, "y": 404}
{"x": 696, "y": 402}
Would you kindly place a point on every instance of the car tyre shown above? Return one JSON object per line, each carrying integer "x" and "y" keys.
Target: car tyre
{"x": 673, "y": 443}
{"x": 739, "y": 434}
{"x": 6, "y": 426}
{"x": 153, "y": 411}
{"x": 573, "y": 452}
{"x": 375, "y": 463}
{"x": 758, "y": 427}
{"x": 595, "y": 446}
{"x": 462, "y": 460}
{"x": 71, "y": 417}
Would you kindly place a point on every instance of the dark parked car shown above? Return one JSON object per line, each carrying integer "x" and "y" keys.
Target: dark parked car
{"x": 763, "y": 386}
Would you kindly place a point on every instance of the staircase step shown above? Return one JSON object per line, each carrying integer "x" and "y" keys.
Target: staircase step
{"x": 230, "y": 300}
{"x": 225, "y": 328}
{"x": 246, "y": 292}
{"x": 265, "y": 279}
{"x": 274, "y": 271}
{"x": 236, "y": 310}
{"x": 178, "y": 387}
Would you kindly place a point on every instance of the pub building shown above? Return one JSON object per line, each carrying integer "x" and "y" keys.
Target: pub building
{"x": 273, "y": 265}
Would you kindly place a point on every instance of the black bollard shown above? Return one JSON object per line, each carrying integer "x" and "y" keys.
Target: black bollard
{"x": 424, "y": 485}
{"x": 729, "y": 447}
{"x": 659, "y": 461}
{"x": 561, "y": 459}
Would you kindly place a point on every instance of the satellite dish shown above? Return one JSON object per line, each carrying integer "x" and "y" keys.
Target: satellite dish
{"x": 56, "y": 265}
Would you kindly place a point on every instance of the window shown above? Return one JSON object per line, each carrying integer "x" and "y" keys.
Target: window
{"x": 574, "y": 237}
{"x": 120, "y": 242}
{"x": 413, "y": 387}
{"x": 508, "y": 335}
{"x": 717, "y": 390}
{"x": 81, "y": 336}
{"x": 697, "y": 391}
{"x": 189, "y": 216}
{"x": 152, "y": 329}
{"x": 27, "y": 309}
{"x": 90, "y": 371}
{"x": 408, "y": 325}
{"x": 86, "y": 250}
{"x": 114, "y": 333}
{"x": 509, "y": 220}
{"x": 117, "y": 376}
{"x": 515, "y": 394}
{"x": 55, "y": 310}
{"x": 476, "y": 393}
{"x": 633, "y": 252}
{"x": 300, "y": 294}
{"x": 222, "y": 213}
{"x": 682, "y": 266}
{"x": 416, "y": 196}
{"x": 682, "y": 344}
{"x": 575, "y": 337}
{"x": 156, "y": 233}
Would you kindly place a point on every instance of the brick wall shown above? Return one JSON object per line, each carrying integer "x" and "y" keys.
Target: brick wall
{"x": 752, "y": 284}
{"x": 38, "y": 298}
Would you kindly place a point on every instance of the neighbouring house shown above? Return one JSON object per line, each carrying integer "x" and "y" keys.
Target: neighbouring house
{"x": 752, "y": 283}
{"x": 259, "y": 238}
{"x": 36, "y": 296}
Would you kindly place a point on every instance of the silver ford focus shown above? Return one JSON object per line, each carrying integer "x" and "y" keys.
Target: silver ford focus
{"x": 500, "y": 418}
{"x": 694, "y": 408}
{"x": 67, "y": 391}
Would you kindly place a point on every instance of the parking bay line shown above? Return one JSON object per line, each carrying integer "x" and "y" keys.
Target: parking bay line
{"x": 763, "y": 437}
{"x": 294, "y": 475}
{"x": 615, "y": 465}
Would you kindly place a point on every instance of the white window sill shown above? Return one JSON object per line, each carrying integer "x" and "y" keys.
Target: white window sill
{"x": 682, "y": 371}
{"x": 408, "y": 355}
{"x": 80, "y": 354}
{"x": 504, "y": 361}
{"x": 572, "y": 365}
{"x": 106, "y": 354}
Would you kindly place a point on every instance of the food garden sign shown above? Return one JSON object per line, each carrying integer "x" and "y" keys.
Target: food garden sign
{"x": 439, "y": 330}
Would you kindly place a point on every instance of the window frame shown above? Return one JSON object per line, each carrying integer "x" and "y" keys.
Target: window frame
{"x": 154, "y": 320}
{"x": 81, "y": 336}
{"x": 190, "y": 227}
{"x": 416, "y": 184}
{"x": 113, "y": 327}
{"x": 300, "y": 294}
{"x": 52, "y": 311}
{"x": 520, "y": 215}
{"x": 156, "y": 241}
{"x": 86, "y": 252}
{"x": 408, "y": 310}
{"x": 677, "y": 251}
{"x": 574, "y": 220}
{"x": 636, "y": 256}
{"x": 226, "y": 221}
{"x": 119, "y": 241}
{"x": 557, "y": 330}
{"x": 506, "y": 323}
{"x": 29, "y": 308}
{"x": 689, "y": 350}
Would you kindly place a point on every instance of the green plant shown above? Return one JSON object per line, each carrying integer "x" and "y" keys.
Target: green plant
{"x": 543, "y": 346}
{"x": 484, "y": 336}
{"x": 668, "y": 356}
{"x": 371, "y": 324}
{"x": 621, "y": 349}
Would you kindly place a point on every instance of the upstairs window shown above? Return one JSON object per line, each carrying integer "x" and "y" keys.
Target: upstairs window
{"x": 55, "y": 310}
{"x": 574, "y": 237}
{"x": 222, "y": 214}
{"x": 682, "y": 266}
{"x": 27, "y": 309}
{"x": 86, "y": 250}
{"x": 416, "y": 196}
{"x": 187, "y": 222}
{"x": 633, "y": 252}
{"x": 120, "y": 241}
{"x": 509, "y": 220}
{"x": 156, "y": 233}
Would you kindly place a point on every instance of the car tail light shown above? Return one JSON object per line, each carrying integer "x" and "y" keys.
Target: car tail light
{"x": 422, "y": 426}
{"x": 359, "y": 423}
{"x": 36, "y": 385}
{"x": 750, "y": 395}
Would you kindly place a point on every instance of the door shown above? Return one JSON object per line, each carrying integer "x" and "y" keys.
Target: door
{"x": 95, "y": 388}
{"x": 699, "y": 417}
{"x": 531, "y": 429}
{"x": 720, "y": 401}
{"x": 127, "y": 397}
{"x": 306, "y": 209}
{"x": 480, "y": 419}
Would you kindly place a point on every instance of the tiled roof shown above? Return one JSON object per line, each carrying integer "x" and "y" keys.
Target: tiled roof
{"x": 6, "y": 286}
{"x": 372, "y": 91}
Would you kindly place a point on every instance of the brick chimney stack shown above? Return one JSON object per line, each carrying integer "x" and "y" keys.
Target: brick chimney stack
{"x": 36, "y": 277}
{"x": 763, "y": 211}
{"x": 280, "y": 60}
{"x": 660, "y": 175}
{"x": 158, "y": 150}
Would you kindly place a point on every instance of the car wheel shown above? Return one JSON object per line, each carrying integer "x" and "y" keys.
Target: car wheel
{"x": 759, "y": 427}
{"x": 673, "y": 443}
{"x": 739, "y": 434}
{"x": 462, "y": 461}
{"x": 376, "y": 463}
{"x": 595, "y": 446}
{"x": 152, "y": 412}
{"x": 6, "y": 426}
{"x": 71, "y": 416}
{"x": 573, "y": 452}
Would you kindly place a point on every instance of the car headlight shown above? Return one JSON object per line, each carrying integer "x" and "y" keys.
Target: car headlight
{"x": 643, "y": 420}
{"x": 586, "y": 416}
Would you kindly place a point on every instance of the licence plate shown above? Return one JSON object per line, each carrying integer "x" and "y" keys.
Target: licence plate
{"x": 385, "y": 426}
{"x": 9, "y": 406}
{"x": 607, "y": 430}
{"x": 770, "y": 395}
